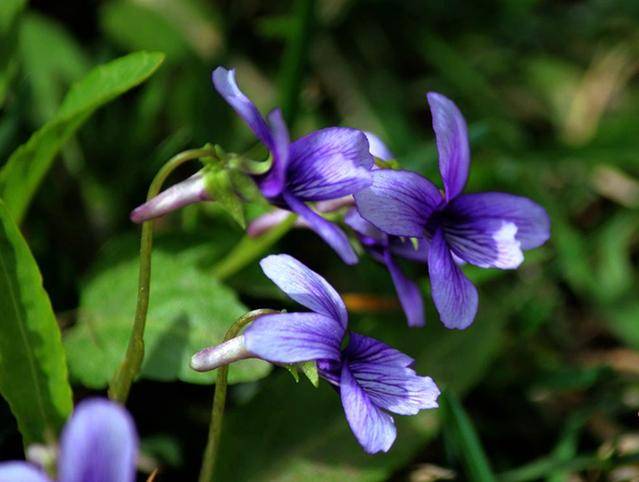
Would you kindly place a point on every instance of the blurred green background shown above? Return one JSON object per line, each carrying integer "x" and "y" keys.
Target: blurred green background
{"x": 548, "y": 376}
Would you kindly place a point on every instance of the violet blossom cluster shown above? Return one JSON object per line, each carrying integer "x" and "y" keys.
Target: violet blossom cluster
{"x": 394, "y": 214}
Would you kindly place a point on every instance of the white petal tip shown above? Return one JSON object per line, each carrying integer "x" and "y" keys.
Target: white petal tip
{"x": 509, "y": 253}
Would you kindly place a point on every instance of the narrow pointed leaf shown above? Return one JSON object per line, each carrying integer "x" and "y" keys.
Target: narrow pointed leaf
{"x": 28, "y": 165}
{"x": 33, "y": 371}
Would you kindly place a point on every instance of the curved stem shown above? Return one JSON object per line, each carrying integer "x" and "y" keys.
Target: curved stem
{"x": 130, "y": 367}
{"x": 219, "y": 399}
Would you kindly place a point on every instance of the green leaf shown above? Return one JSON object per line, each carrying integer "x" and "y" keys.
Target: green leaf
{"x": 9, "y": 10}
{"x": 26, "y": 168}
{"x": 136, "y": 26}
{"x": 53, "y": 59}
{"x": 188, "y": 311}
{"x": 179, "y": 29}
{"x": 33, "y": 372}
{"x": 296, "y": 432}
{"x": 9, "y": 13}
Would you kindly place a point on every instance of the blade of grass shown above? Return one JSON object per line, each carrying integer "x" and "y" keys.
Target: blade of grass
{"x": 459, "y": 430}
{"x": 294, "y": 60}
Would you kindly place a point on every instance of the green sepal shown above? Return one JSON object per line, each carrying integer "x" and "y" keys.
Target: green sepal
{"x": 248, "y": 165}
{"x": 309, "y": 368}
{"x": 415, "y": 243}
{"x": 292, "y": 369}
{"x": 219, "y": 184}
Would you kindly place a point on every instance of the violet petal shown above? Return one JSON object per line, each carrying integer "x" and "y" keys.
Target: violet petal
{"x": 99, "y": 444}
{"x": 329, "y": 232}
{"x": 273, "y": 182}
{"x": 305, "y": 286}
{"x": 374, "y": 429}
{"x": 225, "y": 84}
{"x": 389, "y": 385}
{"x": 454, "y": 295}
{"x": 398, "y": 202}
{"x": 328, "y": 164}
{"x": 533, "y": 224}
{"x": 294, "y": 337}
{"x": 485, "y": 242}
{"x": 408, "y": 293}
{"x": 452, "y": 143}
{"x": 21, "y": 472}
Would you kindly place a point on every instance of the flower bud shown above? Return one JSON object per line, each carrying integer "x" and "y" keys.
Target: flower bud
{"x": 189, "y": 191}
{"x": 223, "y": 354}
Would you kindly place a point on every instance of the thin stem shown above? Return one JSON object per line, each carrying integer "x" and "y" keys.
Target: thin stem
{"x": 219, "y": 399}
{"x": 130, "y": 367}
{"x": 249, "y": 249}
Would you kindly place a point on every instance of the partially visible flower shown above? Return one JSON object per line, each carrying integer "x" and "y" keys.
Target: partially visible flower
{"x": 323, "y": 165}
{"x": 384, "y": 248}
{"x": 99, "y": 444}
{"x": 373, "y": 379}
{"x": 486, "y": 229}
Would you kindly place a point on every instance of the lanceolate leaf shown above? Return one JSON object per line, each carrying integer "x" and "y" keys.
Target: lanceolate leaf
{"x": 33, "y": 372}
{"x": 23, "y": 173}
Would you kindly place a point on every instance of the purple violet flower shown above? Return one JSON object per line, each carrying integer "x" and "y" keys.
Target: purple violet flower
{"x": 489, "y": 230}
{"x": 372, "y": 378}
{"x": 326, "y": 164}
{"x": 99, "y": 444}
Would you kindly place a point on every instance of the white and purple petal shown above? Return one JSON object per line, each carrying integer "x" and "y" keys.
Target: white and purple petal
{"x": 408, "y": 293}
{"x": 532, "y": 221}
{"x": 487, "y": 243}
{"x": 398, "y": 202}
{"x": 377, "y": 147}
{"x": 373, "y": 428}
{"x": 454, "y": 295}
{"x": 294, "y": 337}
{"x": 21, "y": 472}
{"x": 328, "y": 164}
{"x": 451, "y": 135}
{"x": 225, "y": 84}
{"x": 329, "y": 232}
{"x": 305, "y": 286}
{"x": 389, "y": 385}
{"x": 99, "y": 444}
